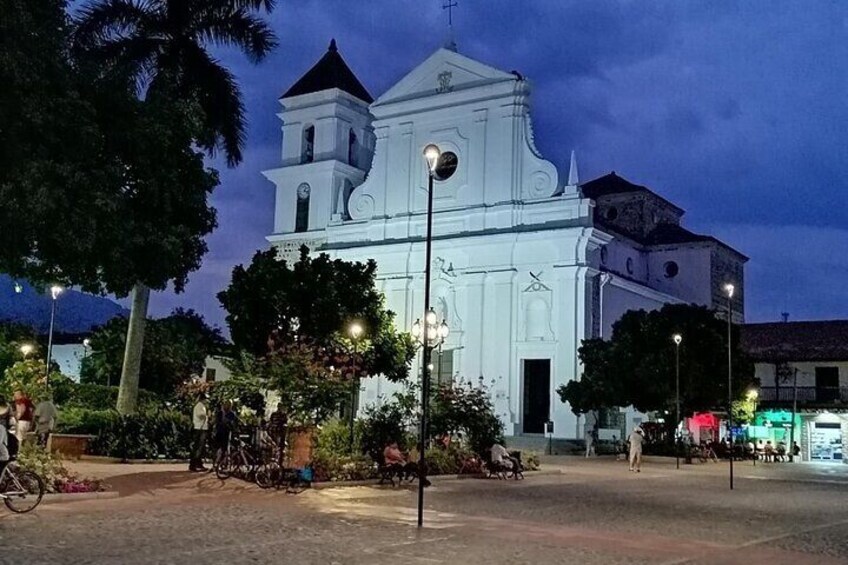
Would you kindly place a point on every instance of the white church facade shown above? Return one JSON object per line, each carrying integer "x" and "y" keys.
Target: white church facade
{"x": 527, "y": 262}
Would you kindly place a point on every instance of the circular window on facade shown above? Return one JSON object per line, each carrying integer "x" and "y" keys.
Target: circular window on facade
{"x": 612, "y": 213}
{"x": 446, "y": 167}
{"x": 604, "y": 254}
{"x": 671, "y": 269}
{"x": 629, "y": 265}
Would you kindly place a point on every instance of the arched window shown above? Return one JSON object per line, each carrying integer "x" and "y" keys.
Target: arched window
{"x": 308, "y": 152}
{"x": 301, "y": 221}
{"x": 351, "y": 149}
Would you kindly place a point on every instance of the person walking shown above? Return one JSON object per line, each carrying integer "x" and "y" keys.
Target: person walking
{"x": 590, "y": 442}
{"x": 45, "y": 417}
{"x": 200, "y": 424}
{"x": 636, "y": 438}
{"x": 23, "y": 415}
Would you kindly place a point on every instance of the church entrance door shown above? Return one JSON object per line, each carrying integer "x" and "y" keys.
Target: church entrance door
{"x": 537, "y": 395}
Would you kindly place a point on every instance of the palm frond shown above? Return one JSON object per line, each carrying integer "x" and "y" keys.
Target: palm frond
{"x": 239, "y": 29}
{"x": 217, "y": 94}
{"x": 103, "y": 20}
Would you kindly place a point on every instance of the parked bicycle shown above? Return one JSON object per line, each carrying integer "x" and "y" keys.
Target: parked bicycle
{"x": 238, "y": 459}
{"x": 20, "y": 489}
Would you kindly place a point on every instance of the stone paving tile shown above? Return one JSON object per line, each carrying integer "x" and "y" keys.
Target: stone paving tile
{"x": 595, "y": 513}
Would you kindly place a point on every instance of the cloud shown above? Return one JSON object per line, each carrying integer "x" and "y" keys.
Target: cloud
{"x": 800, "y": 269}
{"x": 735, "y": 111}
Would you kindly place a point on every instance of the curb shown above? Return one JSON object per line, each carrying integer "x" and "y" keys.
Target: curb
{"x": 433, "y": 478}
{"x": 63, "y": 497}
{"x": 119, "y": 461}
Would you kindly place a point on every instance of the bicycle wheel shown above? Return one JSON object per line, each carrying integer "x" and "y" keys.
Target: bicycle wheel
{"x": 223, "y": 468}
{"x": 266, "y": 476}
{"x": 24, "y": 491}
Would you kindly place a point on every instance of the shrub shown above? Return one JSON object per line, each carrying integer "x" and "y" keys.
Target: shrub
{"x": 333, "y": 438}
{"x": 146, "y": 435}
{"x": 333, "y": 467}
{"x": 466, "y": 409}
{"x": 387, "y": 423}
{"x": 49, "y": 467}
{"x": 84, "y": 421}
{"x": 530, "y": 460}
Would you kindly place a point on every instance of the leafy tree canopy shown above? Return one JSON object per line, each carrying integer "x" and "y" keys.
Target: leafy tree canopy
{"x": 637, "y": 365}
{"x": 12, "y": 337}
{"x": 176, "y": 348}
{"x": 99, "y": 189}
{"x": 273, "y": 307}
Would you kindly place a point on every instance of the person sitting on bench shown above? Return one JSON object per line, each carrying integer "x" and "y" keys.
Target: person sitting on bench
{"x": 394, "y": 459}
{"x": 501, "y": 458}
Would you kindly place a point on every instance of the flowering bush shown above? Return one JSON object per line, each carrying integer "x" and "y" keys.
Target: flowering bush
{"x": 49, "y": 467}
{"x": 466, "y": 409}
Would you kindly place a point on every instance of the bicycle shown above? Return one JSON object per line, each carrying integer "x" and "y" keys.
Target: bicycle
{"x": 272, "y": 473}
{"x": 236, "y": 460}
{"x": 20, "y": 489}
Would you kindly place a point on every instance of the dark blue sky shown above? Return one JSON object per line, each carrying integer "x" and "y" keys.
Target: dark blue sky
{"x": 736, "y": 111}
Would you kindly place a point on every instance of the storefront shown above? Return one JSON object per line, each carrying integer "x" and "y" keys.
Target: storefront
{"x": 774, "y": 426}
{"x": 825, "y": 435}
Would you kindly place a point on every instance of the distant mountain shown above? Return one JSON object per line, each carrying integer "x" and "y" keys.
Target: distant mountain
{"x": 76, "y": 312}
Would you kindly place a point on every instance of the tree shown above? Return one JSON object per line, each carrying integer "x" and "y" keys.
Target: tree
{"x": 177, "y": 347}
{"x": 160, "y": 46}
{"x": 294, "y": 320}
{"x": 12, "y": 337}
{"x": 637, "y": 365}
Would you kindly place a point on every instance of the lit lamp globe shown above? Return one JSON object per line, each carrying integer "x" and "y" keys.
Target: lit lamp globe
{"x": 677, "y": 339}
{"x": 416, "y": 329}
{"x": 26, "y": 349}
{"x": 355, "y": 330}
{"x": 432, "y": 154}
{"x": 728, "y": 289}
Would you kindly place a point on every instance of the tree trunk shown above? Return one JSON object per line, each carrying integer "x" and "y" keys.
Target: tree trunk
{"x": 128, "y": 390}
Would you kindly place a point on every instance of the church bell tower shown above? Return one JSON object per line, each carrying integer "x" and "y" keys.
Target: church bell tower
{"x": 328, "y": 144}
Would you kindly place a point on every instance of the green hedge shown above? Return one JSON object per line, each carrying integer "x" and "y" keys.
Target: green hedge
{"x": 146, "y": 435}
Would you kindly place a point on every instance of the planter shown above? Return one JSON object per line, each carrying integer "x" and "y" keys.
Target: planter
{"x": 301, "y": 443}
{"x": 69, "y": 446}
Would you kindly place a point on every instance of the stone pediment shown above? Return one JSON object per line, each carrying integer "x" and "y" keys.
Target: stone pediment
{"x": 444, "y": 71}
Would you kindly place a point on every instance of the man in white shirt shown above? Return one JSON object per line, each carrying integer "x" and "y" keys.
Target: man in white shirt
{"x": 200, "y": 424}
{"x": 636, "y": 438}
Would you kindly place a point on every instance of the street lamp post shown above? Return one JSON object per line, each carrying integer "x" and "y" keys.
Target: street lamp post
{"x": 355, "y": 333}
{"x": 431, "y": 335}
{"x": 729, "y": 288}
{"x": 677, "y": 339}
{"x": 55, "y": 291}
{"x": 431, "y": 155}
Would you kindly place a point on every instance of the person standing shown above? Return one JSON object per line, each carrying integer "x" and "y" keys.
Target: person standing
{"x": 277, "y": 429}
{"x": 200, "y": 424}
{"x": 590, "y": 442}
{"x": 45, "y": 417}
{"x": 23, "y": 415}
{"x": 636, "y": 439}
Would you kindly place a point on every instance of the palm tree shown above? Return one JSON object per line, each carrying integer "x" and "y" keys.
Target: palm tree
{"x": 160, "y": 47}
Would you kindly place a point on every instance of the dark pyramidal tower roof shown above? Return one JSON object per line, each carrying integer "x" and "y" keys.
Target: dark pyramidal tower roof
{"x": 329, "y": 72}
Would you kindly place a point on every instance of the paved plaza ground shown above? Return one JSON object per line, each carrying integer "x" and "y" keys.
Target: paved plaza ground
{"x": 578, "y": 511}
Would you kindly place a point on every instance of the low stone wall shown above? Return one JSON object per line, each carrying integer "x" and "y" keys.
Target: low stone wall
{"x": 71, "y": 446}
